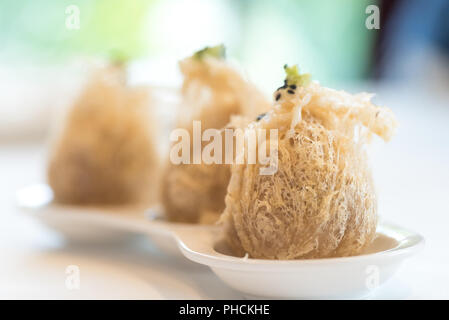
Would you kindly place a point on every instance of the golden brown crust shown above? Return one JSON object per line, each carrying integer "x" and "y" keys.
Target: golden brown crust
{"x": 212, "y": 92}
{"x": 321, "y": 201}
{"x": 105, "y": 153}
{"x": 190, "y": 191}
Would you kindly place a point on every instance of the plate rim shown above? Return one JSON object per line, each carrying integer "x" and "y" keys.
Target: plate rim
{"x": 409, "y": 245}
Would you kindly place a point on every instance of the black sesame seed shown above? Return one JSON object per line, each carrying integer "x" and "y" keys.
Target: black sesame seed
{"x": 278, "y": 96}
{"x": 291, "y": 91}
{"x": 260, "y": 116}
{"x": 293, "y": 86}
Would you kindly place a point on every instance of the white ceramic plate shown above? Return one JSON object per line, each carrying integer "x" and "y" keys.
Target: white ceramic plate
{"x": 348, "y": 277}
{"x": 90, "y": 224}
{"x": 80, "y": 223}
{"x": 331, "y": 278}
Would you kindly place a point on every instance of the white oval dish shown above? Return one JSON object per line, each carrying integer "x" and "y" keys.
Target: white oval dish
{"x": 346, "y": 277}
{"x": 95, "y": 224}
{"x": 80, "y": 223}
{"x": 330, "y": 278}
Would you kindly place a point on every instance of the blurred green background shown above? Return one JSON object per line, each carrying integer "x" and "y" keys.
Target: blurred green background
{"x": 327, "y": 37}
{"x": 43, "y": 58}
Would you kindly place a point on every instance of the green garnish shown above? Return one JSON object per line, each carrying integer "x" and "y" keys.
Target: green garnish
{"x": 119, "y": 58}
{"x": 293, "y": 77}
{"x": 218, "y": 52}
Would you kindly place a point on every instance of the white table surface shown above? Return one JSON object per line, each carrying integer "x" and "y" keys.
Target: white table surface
{"x": 412, "y": 177}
